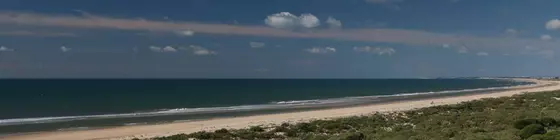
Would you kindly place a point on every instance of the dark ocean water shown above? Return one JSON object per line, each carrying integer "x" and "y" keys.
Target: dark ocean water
{"x": 27, "y": 105}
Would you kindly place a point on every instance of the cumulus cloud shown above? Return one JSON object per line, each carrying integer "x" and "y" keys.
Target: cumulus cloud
{"x": 256, "y": 44}
{"x": 546, "y": 37}
{"x": 321, "y": 50}
{"x": 376, "y": 50}
{"x": 185, "y": 33}
{"x": 446, "y": 46}
{"x": 198, "y": 50}
{"x": 531, "y": 48}
{"x": 155, "y": 49}
{"x": 511, "y": 32}
{"x": 283, "y": 20}
{"x": 286, "y": 20}
{"x": 168, "y": 49}
{"x": 482, "y": 54}
{"x": 553, "y": 24}
{"x": 5, "y": 49}
{"x": 309, "y": 21}
{"x": 462, "y": 49}
{"x": 333, "y": 23}
{"x": 65, "y": 49}
{"x": 164, "y": 49}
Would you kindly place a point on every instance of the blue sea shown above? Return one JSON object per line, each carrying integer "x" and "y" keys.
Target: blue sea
{"x": 31, "y": 105}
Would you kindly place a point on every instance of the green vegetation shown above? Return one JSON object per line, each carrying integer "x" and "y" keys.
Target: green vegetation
{"x": 533, "y": 116}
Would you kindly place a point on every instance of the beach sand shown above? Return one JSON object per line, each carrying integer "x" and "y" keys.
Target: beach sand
{"x": 148, "y": 131}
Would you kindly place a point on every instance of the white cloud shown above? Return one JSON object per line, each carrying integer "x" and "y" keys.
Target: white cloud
{"x": 462, "y": 49}
{"x": 446, "y": 46}
{"x": 5, "y": 49}
{"x": 546, "y": 37}
{"x": 321, "y": 50}
{"x": 256, "y": 44}
{"x": 65, "y": 49}
{"x": 155, "y": 49}
{"x": 333, "y": 23}
{"x": 482, "y": 54}
{"x": 309, "y": 21}
{"x": 169, "y": 49}
{"x": 164, "y": 49}
{"x": 553, "y": 24}
{"x": 531, "y": 48}
{"x": 198, "y": 50}
{"x": 511, "y": 32}
{"x": 376, "y": 50}
{"x": 286, "y": 20}
{"x": 185, "y": 33}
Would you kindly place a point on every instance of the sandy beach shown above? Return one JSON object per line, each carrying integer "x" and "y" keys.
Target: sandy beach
{"x": 147, "y": 131}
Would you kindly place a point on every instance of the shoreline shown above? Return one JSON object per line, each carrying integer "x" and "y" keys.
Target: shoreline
{"x": 147, "y": 131}
{"x": 21, "y": 126}
{"x": 167, "y": 114}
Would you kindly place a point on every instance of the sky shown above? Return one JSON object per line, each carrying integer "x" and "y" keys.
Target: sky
{"x": 278, "y": 38}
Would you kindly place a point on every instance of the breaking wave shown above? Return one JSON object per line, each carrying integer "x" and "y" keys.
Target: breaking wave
{"x": 271, "y": 105}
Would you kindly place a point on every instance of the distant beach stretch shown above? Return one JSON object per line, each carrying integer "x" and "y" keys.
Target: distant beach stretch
{"x": 398, "y": 104}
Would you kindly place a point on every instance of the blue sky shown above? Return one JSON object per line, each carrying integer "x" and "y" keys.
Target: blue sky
{"x": 278, "y": 38}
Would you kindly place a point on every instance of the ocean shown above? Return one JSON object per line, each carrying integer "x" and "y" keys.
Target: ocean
{"x": 32, "y": 105}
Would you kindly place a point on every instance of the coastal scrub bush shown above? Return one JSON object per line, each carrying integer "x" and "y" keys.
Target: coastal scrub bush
{"x": 198, "y": 135}
{"x": 178, "y": 137}
{"x": 531, "y": 130}
{"x": 548, "y": 122}
{"x": 355, "y": 136}
{"x": 305, "y": 127}
{"x": 291, "y": 133}
{"x": 285, "y": 125}
{"x": 532, "y": 116}
{"x": 223, "y": 131}
{"x": 520, "y": 124}
{"x": 245, "y": 134}
{"x": 280, "y": 129}
{"x": 256, "y": 129}
{"x": 552, "y": 135}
